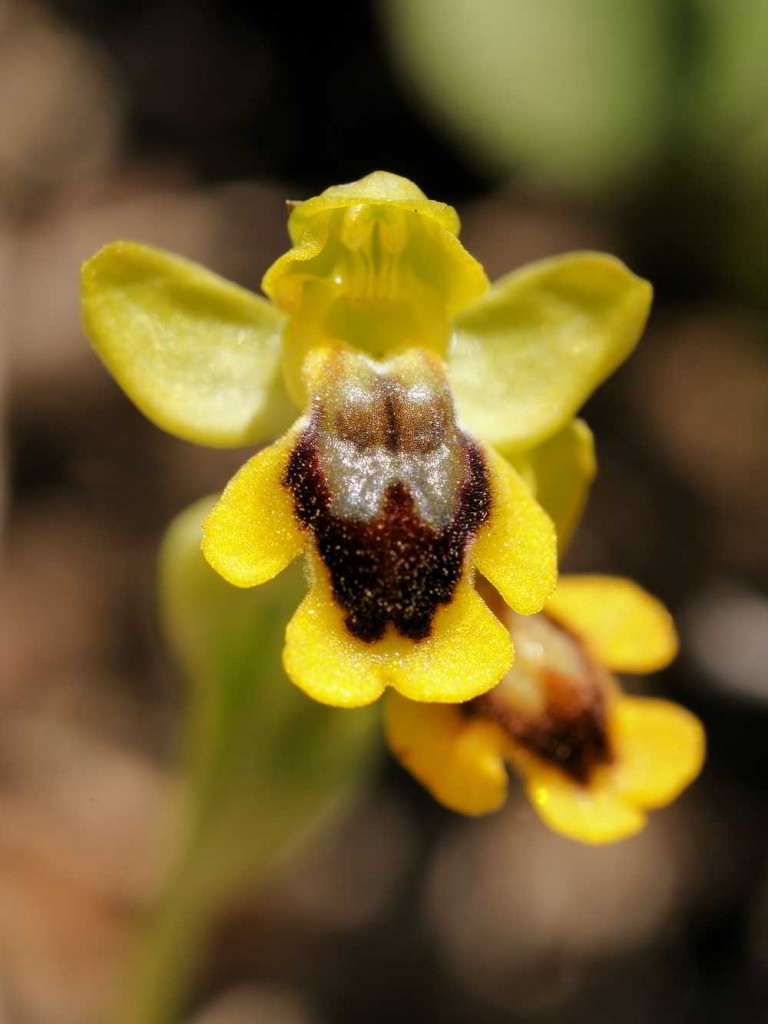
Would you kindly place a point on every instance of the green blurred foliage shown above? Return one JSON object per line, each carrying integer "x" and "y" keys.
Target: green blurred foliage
{"x": 265, "y": 765}
{"x": 570, "y": 94}
{"x": 265, "y": 760}
{"x": 611, "y": 98}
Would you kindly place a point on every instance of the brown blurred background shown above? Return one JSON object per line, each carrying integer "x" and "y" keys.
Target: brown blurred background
{"x": 640, "y": 128}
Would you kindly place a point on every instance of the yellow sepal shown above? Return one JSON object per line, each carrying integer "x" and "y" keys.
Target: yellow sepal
{"x": 199, "y": 356}
{"x": 374, "y": 188}
{"x": 527, "y": 354}
{"x": 561, "y": 471}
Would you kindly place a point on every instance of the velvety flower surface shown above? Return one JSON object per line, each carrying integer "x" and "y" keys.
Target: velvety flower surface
{"x": 593, "y": 760}
{"x": 409, "y": 375}
{"x": 394, "y": 512}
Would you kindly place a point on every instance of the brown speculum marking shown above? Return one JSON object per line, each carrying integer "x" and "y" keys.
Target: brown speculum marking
{"x": 553, "y": 700}
{"x": 390, "y": 489}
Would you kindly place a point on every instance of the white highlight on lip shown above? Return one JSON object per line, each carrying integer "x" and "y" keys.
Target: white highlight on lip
{"x": 356, "y": 416}
{"x": 359, "y": 480}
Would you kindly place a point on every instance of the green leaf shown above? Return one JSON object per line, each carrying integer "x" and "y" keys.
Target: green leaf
{"x": 573, "y": 93}
{"x": 200, "y": 357}
{"x": 729, "y": 107}
{"x": 528, "y": 354}
{"x": 727, "y": 129}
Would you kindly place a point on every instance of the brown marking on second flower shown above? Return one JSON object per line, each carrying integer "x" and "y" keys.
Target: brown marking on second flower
{"x": 569, "y": 728}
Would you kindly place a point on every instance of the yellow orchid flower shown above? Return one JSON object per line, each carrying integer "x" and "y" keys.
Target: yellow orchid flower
{"x": 410, "y": 375}
{"x": 593, "y": 760}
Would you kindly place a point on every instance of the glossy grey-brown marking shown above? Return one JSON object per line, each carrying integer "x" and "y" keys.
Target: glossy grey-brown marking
{"x": 376, "y": 428}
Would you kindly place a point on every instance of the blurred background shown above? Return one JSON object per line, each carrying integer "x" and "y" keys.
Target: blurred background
{"x": 640, "y": 128}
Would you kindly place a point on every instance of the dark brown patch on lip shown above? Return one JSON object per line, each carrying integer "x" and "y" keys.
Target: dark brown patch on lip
{"x": 571, "y": 732}
{"x": 392, "y": 568}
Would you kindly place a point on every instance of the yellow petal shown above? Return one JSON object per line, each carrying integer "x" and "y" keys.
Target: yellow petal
{"x": 592, "y": 813}
{"x": 528, "y": 353}
{"x": 374, "y": 240}
{"x": 516, "y": 550}
{"x": 456, "y": 757}
{"x": 659, "y": 750}
{"x": 377, "y": 187}
{"x": 467, "y": 652}
{"x": 251, "y": 534}
{"x": 626, "y": 628}
{"x": 199, "y": 356}
{"x": 561, "y": 471}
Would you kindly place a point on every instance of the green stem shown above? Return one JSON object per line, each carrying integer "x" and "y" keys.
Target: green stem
{"x": 170, "y": 955}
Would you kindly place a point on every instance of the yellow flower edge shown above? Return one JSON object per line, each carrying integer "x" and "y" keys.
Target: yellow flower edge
{"x": 659, "y": 750}
{"x": 373, "y": 189}
{"x": 663, "y": 746}
{"x": 625, "y": 627}
{"x": 467, "y": 651}
{"x": 516, "y": 550}
{"x": 251, "y": 533}
{"x": 460, "y": 761}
